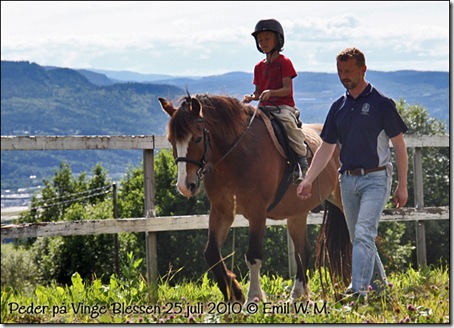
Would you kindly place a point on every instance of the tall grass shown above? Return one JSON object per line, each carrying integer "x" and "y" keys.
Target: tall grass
{"x": 414, "y": 296}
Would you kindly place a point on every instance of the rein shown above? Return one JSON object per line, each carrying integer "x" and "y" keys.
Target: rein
{"x": 206, "y": 142}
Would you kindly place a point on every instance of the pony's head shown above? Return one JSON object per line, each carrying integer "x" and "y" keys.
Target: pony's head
{"x": 185, "y": 131}
{"x": 201, "y": 129}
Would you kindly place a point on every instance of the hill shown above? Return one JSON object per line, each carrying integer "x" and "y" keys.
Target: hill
{"x": 61, "y": 101}
{"x": 314, "y": 92}
{"x": 37, "y": 100}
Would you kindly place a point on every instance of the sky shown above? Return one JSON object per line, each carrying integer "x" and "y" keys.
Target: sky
{"x": 193, "y": 38}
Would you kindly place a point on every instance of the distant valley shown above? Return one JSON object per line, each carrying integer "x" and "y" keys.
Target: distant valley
{"x": 38, "y": 100}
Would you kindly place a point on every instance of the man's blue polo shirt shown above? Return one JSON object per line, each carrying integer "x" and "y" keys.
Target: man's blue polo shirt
{"x": 363, "y": 127}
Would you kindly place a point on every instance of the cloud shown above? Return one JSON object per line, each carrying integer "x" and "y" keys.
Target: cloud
{"x": 323, "y": 29}
{"x": 177, "y": 37}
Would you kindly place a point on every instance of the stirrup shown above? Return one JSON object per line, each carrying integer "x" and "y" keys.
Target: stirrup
{"x": 304, "y": 166}
{"x": 297, "y": 175}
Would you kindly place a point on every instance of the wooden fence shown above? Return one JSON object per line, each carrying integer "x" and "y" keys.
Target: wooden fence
{"x": 150, "y": 224}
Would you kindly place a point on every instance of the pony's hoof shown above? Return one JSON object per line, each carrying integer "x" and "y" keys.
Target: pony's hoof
{"x": 299, "y": 291}
{"x": 257, "y": 298}
{"x": 238, "y": 298}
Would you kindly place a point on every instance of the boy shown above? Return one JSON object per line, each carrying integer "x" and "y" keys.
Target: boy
{"x": 273, "y": 87}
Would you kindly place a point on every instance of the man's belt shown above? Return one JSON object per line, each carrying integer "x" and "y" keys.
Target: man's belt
{"x": 364, "y": 171}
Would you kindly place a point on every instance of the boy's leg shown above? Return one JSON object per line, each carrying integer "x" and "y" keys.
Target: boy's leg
{"x": 287, "y": 116}
{"x": 296, "y": 137}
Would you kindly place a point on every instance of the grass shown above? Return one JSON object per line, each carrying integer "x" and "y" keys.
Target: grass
{"x": 414, "y": 296}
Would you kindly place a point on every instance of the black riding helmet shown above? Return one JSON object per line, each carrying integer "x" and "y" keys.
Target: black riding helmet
{"x": 269, "y": 25}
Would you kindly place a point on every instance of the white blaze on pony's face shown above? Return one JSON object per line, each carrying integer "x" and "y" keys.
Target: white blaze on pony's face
{"x": 183, "y": 133}
{"x": 181, "y": 148}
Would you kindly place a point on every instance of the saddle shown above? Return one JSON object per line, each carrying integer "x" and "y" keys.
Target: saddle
{"x": 280, "y": 139}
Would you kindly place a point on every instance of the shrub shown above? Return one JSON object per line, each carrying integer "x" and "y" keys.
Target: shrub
{"x": 18, "y": 269}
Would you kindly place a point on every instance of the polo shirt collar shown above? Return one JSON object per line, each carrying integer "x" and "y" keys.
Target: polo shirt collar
{"x": 365, "y": 92}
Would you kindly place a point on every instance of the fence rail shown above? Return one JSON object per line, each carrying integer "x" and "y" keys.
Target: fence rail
{"x": 178, "y": 223}
{"x": 83, "y": 142}
{"x": 146, "y": 142}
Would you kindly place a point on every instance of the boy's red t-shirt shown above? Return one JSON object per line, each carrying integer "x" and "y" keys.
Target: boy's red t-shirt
{"x": 269, "y": 76}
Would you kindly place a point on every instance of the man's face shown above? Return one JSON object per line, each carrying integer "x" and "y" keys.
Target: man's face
{"x": 349, "y": 73}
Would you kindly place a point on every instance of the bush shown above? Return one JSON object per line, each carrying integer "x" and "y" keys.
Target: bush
{"x": 18, "y": 269}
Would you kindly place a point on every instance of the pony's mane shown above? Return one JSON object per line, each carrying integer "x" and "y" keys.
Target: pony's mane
{"x": 225, "y": 115}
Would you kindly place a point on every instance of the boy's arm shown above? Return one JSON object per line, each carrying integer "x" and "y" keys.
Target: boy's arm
{"x": 254, "y": 96}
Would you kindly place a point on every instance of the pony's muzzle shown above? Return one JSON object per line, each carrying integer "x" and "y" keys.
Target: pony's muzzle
{"x": 189, "y": 187}
{"x": 193, "y": 187}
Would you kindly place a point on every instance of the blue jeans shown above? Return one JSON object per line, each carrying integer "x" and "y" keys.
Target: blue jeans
{"x": 364, "y": 198}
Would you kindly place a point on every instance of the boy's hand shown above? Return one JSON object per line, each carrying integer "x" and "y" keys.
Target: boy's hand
{"x": 248, "y": 98}
{"x": 265, "y": 95}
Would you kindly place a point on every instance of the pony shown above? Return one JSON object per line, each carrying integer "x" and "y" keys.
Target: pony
{"x": 231, "y": 147}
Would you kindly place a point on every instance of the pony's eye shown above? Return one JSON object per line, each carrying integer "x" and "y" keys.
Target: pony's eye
{"x": 198, "y": 140}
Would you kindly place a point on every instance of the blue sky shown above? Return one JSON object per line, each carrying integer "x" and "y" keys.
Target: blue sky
{"x": 207, "y": 38}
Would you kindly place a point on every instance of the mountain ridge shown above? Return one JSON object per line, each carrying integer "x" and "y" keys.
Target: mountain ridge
{"x": 47, "y": 100}
{"x": 315, "y": 91}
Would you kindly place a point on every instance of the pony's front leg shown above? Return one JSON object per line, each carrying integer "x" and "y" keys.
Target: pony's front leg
{"x": 255, "y": 291}
{"x": 218, "y": 229}
{"x": 254, "y": 260}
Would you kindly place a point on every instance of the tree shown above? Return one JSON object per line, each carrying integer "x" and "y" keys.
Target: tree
{"x": 64, "y": 190}
{"x": 68, "y": 198}
{"x": 435, "y": 180}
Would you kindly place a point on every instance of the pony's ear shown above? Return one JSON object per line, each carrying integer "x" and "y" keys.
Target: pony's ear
{"x": 167, "y": 106}
{"x": 196, "y": 106}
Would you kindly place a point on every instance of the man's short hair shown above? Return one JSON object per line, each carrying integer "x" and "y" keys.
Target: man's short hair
{"x": 352, "y": 53}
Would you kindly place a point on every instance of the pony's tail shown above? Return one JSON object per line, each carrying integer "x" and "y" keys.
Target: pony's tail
{"x": 334, "y": 249}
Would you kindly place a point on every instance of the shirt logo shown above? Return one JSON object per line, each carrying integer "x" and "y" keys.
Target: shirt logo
{"x": 365, "y": 109}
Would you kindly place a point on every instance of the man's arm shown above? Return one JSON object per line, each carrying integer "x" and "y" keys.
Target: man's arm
{"x": 400, "y": 153}
{"x": 321, "y": 158}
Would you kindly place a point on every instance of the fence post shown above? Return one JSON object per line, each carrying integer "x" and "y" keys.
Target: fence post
{"x": 421, "y": 257}
{"x": 115, "y": 216}
{"x": 150, "y": 237}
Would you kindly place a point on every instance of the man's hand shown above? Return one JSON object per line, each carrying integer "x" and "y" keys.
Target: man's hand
{"x": 303, "y": 190}
{"x": 400, "y": 196}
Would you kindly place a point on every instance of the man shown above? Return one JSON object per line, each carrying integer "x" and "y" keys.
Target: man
{"x": 362, "y": 122}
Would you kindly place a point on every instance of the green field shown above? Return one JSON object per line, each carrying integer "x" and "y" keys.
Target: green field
{"x": 412, "y": 297}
